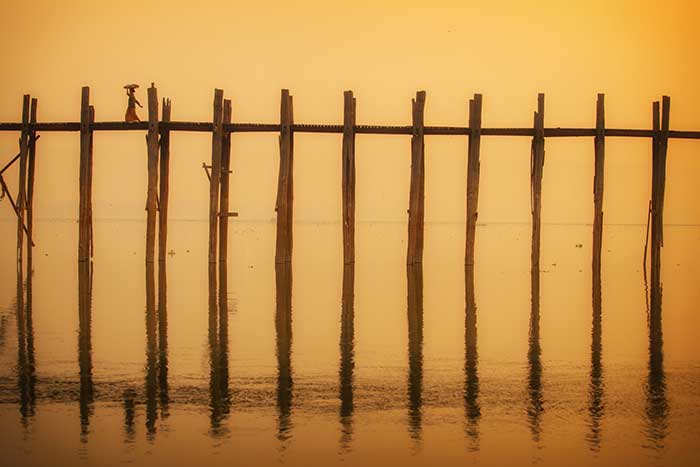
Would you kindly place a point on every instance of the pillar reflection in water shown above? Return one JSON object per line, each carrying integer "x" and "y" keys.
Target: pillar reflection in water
{"x": 347, "y": 356}
{"x": 219, "y": 396}
{"x": 657, "y": 409}
{"x": 415, "y": 349}
{"x": 471, "y": 361}
{"x": 151, "y": 353}
{"x": 283, "y": 327}
{"x": 534, "y": 386}
{"x": 163, "y": 394}
{"x": 85, "y": 279}
{"x": 26, "y": 371}
{"x": 596, "y": 405}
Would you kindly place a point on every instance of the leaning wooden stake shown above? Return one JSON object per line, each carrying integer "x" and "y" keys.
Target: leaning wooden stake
{"x": 164, "y": 184}
{"x": 152, "y": 143}
{"x": 536, "y": 171}
{"x": 660, "y": 146}
{"x": 348, "y": 156}
{"x": 473, "y": 168}
{"x": 85, "y": 188}
{"x": 216, "y": 144}
{"x": 21, "y": 197}
{"x": 416, "y": 209}
{"x": 598, "y": 183}
{"x": 223, "y": 201}
{"x": 30, "y": 182}
{"x": 285, "y": 184}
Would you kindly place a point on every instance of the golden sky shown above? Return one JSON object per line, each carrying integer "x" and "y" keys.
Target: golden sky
{"x": 634, "y": 51}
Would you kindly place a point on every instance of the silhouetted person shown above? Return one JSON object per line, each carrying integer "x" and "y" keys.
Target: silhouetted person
{"x": 133, "y": 102}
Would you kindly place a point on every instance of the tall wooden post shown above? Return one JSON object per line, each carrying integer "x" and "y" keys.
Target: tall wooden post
{"x": 152, "y": 144}
{"x": 536, "y": 171}
{"x": 598, "y": 183}
{"x": 164, "y": 184}
{"x": 21, "y": 197}
{"x": 91, "y": 240}
{"x": 223, "y": 201}
{"x": 30, "y": 182}
{"x": 416, "y": 210}
{"x": 473, "y": 169}
{"x": 349, "y": 119}
{"x": 660, "y": 146}
{"x": 285, "y": 184}
{"x": 216, "y": 144}
{"x": 414, "y": 274}
{"x": 85, "y": 187}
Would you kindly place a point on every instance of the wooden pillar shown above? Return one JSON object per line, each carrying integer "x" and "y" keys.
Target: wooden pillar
{"x": 164, "y": 184}
{"x": 152, "y": 144}
{"x": 21, "y": 197}
{"x": 30, "y": 182}
{"x": 598, "y": 183}
{"x": 416, "y": 209}
{"x": 285, "y": 185}
{"x": 473, "y": 169}
{"x": 91, "y": 241}
{"x": 216, "y": 145}
{"x": 414, "y": 275}
{"x": 660, "y": 146}
{"x": 223, "y": 201}
{"x": 536, "y": 171}
{"x": 85, "y": 188}
{"x": 349, "y": 120}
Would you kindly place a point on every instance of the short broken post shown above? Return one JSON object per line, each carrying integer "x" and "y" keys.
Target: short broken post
{"x": 85, "y": 187}
{"x": 285, "y": 183}
{"x": 152, "y": 144}
{"x": 598, "y": 184}
{"x": 416, "y": 209}
{"x": 223, "y": 201}
{"x": 473, "y": 169}
{"x": 164, "y": 184}
{"x": 536, "y": 171}
{"x": 21, "y": 196}
{"x": 217, "y": 141}
{"x": 348, "y": 162}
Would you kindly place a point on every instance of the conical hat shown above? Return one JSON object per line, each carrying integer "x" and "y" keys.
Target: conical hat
{"x": 131, "y": 86}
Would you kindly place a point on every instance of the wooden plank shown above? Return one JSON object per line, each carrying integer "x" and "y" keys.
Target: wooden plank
{"x": 21, "y": 196}
{"x": 536, "y": 172}
{"x": 31, "y": 169}
{"x": 216, "y": 145}
{"x": 473, "y": 169}
{"x": 152, "y": 146}
{"x": 416, "y": 208}
{"x": 348, "y": 177}
{"x": 83, "y": 230}
{"x": 285, "y": 184}
{"x": 164, "y": 188}
{"x": 598, "y": 183}
{"x": 224, "y": 199}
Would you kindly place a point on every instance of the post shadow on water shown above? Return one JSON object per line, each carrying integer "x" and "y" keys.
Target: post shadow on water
{"x": 657, "y": 408}
{"x": 535, "y": 406}
{"x": 283, "y": 328}
{"x": 26, "y": 365}
{"x": 414, "y": 274}
{"x": 87, "y": 387}
{"x": 596, "y": 388}
{"x": 347, "y": 357}
{"x": 471, "y": 362}
{"x": 219, "y": 394}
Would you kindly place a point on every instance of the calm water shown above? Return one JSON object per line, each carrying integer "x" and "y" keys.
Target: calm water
{"x": 317, "y": 364}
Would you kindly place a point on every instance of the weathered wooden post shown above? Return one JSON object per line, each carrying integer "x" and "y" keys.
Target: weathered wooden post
{"x": 91, "y": 239}
{"x": 536, "y": 171}
{"x": 598, "y": 183}
{"x": 164, "y": 183}
{"x": 21, "y": 197}
{"x": 660, "y": 146}
{"x": 349, "y": 118}
{"x": 473, "y": 168}
{"x": 285, "y": 185}
{"x": 216, "y": 145}
{"x": 85, "y": 187}
{"x": 416, "y": 210}
{"x": 151, "y": 198}
{"x": 224, "y": 200}
{"x": 30, "y": 182}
